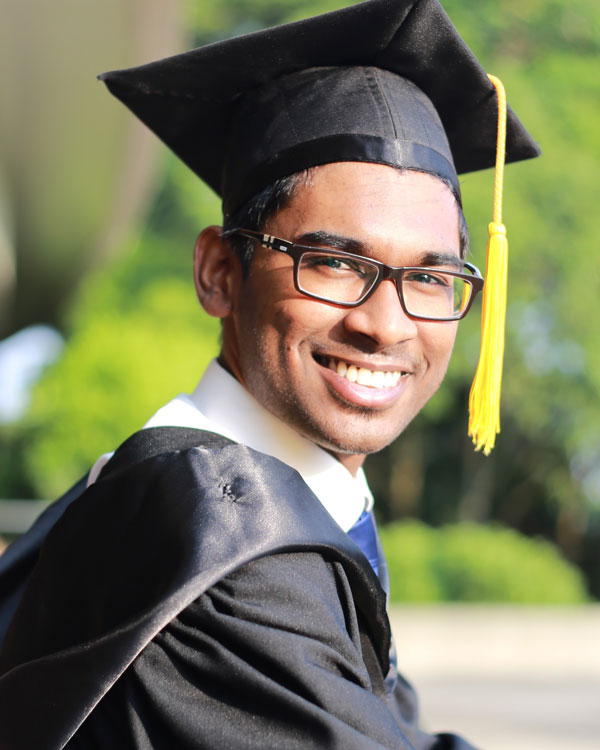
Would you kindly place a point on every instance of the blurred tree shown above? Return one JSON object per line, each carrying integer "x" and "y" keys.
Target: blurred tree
{"x": 543, "y": 477}
{"x": 468, "y": 562}
{"x": 137, "y": 337}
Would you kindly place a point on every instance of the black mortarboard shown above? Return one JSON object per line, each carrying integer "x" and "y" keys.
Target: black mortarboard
{"x": 386, "y": 81}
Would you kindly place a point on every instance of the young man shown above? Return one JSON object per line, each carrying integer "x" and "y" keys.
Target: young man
{"x": 219, "y": 584}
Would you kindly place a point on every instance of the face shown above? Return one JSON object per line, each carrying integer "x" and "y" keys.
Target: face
{"x": 299, "y": 357}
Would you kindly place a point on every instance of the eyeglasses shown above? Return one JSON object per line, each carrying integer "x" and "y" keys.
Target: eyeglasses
{"x": 348, "y": 280}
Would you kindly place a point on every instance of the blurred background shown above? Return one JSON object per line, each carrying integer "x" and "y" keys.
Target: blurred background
{"x": 99, "y": 324}
{"x": 99, "y": 321}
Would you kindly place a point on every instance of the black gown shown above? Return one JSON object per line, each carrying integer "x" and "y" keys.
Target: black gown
{"x": 198, "y": 595}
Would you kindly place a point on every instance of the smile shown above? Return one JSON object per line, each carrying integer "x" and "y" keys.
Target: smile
{"x": 362, "y": 376}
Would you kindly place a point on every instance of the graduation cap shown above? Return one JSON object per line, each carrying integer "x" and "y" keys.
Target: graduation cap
{"x": 383, "y": 81}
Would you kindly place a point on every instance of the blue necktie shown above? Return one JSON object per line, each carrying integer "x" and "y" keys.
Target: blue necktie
{"x": 363, "y": 534}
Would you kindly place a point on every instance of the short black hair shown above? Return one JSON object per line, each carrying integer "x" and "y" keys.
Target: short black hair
{"x": 255, "y": 213}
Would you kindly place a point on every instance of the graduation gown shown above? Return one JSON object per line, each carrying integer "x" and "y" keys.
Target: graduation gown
{"x": 198, "y": 595}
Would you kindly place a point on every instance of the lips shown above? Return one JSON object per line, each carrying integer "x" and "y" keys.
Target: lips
{"x": 374, "y": 380}
{"x": 364, "y": 376}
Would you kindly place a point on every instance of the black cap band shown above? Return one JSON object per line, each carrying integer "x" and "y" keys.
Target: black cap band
{"x": 335, "y": 148}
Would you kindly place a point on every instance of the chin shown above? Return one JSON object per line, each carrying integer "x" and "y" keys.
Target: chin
{"x": 364, "y": 445}
{"x": 355, "y": 439}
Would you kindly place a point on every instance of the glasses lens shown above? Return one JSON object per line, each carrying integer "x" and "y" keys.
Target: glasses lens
{"x": 336, "y": 278}
{"x": 435, "y": 294}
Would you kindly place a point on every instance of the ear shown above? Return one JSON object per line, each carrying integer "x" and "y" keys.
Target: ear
{"x": 216, "y": 268}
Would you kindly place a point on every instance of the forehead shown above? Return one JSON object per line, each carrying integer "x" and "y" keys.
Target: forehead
{"x": 377, "y": 205}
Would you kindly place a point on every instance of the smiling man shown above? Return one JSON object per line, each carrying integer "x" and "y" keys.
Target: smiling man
{"x": 217, "y": 582}
{"x": 347, "y": 378}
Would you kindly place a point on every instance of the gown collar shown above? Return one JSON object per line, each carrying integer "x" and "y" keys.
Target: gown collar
{"x": 220, "y": 404}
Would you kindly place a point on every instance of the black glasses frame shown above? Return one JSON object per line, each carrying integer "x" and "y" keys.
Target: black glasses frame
{"x": 384, "y": 272}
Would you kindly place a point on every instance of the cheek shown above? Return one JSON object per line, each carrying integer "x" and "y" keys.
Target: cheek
{"x": 289, "y": 332}
{"x": 438, "y": 341}
{"x": 300, "y": 319}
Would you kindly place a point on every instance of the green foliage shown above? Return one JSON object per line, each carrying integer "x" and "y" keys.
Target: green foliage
{"x": 542, "y": 476}
{"x": 523, "y": 29}
{"x": 216, "y": 19}
{"x": 136, "y": 336}
{"x": 117, "y": 370}
{"x": 15, "y": 482}
{"x": 472, "y": 563}
{"x": 410, "y": 551}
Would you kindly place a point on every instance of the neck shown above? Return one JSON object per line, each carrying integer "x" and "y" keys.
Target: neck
{"x": 227, "y": 362}
{"x": 352, "y": 462}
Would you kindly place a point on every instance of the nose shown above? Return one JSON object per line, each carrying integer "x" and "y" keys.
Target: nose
{"x": 381, "y": 318}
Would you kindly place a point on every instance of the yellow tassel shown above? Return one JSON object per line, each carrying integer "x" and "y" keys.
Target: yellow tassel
{"x": 484, "y": 399}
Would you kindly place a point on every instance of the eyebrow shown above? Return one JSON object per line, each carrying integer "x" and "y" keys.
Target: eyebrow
{"x": 350, "y": 245}
{"x": 336, "y": 241}
{"x": 441, "y": 259}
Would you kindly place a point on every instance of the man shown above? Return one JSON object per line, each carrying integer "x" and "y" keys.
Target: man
{"x": 219, "y": 584}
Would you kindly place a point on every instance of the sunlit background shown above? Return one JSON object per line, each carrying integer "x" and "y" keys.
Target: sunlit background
{"x": 100, "y": 325}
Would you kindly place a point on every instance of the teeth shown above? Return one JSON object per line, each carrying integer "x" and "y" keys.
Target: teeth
{"x": 378, "y": 379}
{"x": 363, "y": 376}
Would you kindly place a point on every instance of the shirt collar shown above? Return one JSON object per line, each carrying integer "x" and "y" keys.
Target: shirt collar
{"x": 222, "y": 405}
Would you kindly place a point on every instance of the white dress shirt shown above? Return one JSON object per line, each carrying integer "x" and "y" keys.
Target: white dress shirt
{"x": 220, "y": 404}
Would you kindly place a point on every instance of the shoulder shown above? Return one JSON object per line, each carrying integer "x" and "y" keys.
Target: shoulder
{"x": 194, "y": 484}
{"x": 157, "y": 531}
{"x": 278, "y": 638}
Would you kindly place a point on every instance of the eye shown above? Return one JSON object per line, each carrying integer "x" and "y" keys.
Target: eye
{"x": 428, "y": 278}
{"x": 332, "y": 263}
{"x": 329, "y": 261}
